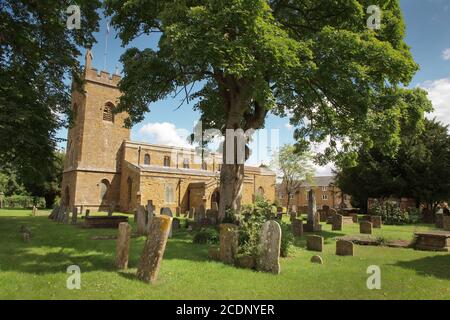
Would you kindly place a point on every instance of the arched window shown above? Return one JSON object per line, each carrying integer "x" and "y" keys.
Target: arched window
{"x": 104, "y": 186}
{"x": 260, "y": 192}
{"x": 147, "y": 159}
{"x": 108, "y": 112}
{"x": 168, "y": 193}
{"x": 166, "y": 161}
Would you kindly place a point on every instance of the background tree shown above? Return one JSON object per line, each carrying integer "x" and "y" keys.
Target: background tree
{"x": 37, "y": 55}
{"x": 241, "y": 59}
{"x": 420, "y": 169}
{"x": 295, "y": 168}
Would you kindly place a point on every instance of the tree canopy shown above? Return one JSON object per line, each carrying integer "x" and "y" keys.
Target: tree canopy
{"x": 38, "y": 53}
{"x": 314, "y": 60}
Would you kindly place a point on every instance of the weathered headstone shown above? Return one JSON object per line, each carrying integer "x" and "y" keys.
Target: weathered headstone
{"x": 269, "y": 248}
{"x": 167, "y": 212}
{"x": 317, "y": 225}
{"x": 337, "y": 223}
{"x": 140, "y": 220}
{"x": 214, "y": 254}
{"x": 176, "y": 224}
{"x": 313, "y": 223}
{"x": 344, "y": 248}
{"x": 74, "y": 215}
{"x": 229, "y": 241}
{"x": 154, "y": 248}
{"x": 123, "y": 245}
{"x": 88, "y": 212}
{"x": 365, "y": 227}
{"x": 66, "y": 216}
{"x": 292, "y": 215}
{"x": 317, "y": 259}
{"x": 376, "y": 221}
{"x": 34, "y": 211}
{"x": 200, "y": 214}
{"x": 212, "y": 216}
{"x": 297, "y": 227}
{"x": 150, "y": 210}
{"x": 354, "y": 217}
{"x": 314, "y": 243}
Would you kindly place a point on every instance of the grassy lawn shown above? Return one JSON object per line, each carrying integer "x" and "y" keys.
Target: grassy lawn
{"x": 37, "y": 269}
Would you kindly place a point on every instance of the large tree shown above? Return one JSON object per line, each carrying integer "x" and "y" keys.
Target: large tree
{"x": 316, "y": 60}
{"x": 38, "y": 53}
{"x": 420, "y": 169}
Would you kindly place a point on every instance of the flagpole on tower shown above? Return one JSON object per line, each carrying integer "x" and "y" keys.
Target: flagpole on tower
{"x": 106, "y": 45}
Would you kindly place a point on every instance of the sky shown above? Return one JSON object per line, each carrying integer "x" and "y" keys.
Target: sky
{"x": 427, "y": 33}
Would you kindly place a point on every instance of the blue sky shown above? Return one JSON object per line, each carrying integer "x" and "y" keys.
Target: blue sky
{"x": 428, "y": 35}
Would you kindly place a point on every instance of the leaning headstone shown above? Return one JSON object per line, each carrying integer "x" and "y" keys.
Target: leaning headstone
{"x": 317, "y": 259}
{"x": 229, "y": 241}
{"x": 140, "y": 220}
{"x": 297, "y": 227}
{"x": 269, "y": 248}
{"x": 34, "y": 211}
{"x": 154, "y": 248}
{"x": 337, "y": 223}
{"x": 74, "y": 215}
{"x": 88, "y": 212}
{"x": 314, "y": 243}
{"x": 365, "y": 227}
{"x": 200, "y": 214}
{"x": 376, "y": 221}
{"x": 191, "y": 213}
{"x": 123, "y": 245}
{"x": 344, "y": 248}
{"x": 167, "y": 212}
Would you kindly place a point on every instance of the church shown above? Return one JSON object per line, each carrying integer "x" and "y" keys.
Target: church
{"x": 104, "y": 170}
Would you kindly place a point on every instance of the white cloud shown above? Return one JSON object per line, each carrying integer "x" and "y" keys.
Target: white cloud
{"x": 165, "y": 133}
{"x": 439, "y": 94}
{"x": 446, "y": 54}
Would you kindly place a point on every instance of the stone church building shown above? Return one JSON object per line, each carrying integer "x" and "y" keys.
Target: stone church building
{"x": 104, "y": 169}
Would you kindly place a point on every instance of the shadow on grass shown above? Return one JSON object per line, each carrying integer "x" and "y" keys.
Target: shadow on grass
{"x": 436, "y": 266}
{"x": 53, "y": 247}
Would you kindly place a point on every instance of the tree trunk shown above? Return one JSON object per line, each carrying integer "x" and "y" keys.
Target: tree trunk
{"x": 288, "y": 202}
{"x": 231, "y": 182}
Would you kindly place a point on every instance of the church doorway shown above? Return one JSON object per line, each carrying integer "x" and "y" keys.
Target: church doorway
{"x": 215, "y": 197}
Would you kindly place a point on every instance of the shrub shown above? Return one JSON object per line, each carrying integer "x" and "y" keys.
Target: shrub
{"x": 249, "y": 233}
{"x": 390, "y": 213}
{"x": 23, "y": 201}
{"x": 206, "y": 236}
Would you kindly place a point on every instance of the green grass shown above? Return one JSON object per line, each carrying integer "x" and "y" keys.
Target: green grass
{"x": 37, "y": 269}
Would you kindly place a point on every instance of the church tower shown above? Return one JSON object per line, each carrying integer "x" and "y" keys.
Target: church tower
{"x": 92, "y": 170}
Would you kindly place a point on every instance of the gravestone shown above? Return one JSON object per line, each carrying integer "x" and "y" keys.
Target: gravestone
{"x": 317, "y": 259}
{"x": 34, "y": 211}
{"x": 314, "y": 243}
{"x": 154, "y": 248}
{"x": 297, "y": 227}
{"x": 439, "y": 221}
{"x": 66, "y": 216}
{"x": 365, "y": 227}
{"x": 279, "y": 216}
{"x": 191, "y": 213}
{"x": 313, "y": 223}
{"x": 344, "y": 248}
{"x": 229, "y": 242}
{"x": 212, "y": 216}
{"x": 74, "y": 215}
{"x": 88, "y": 212}
{"x": 150, "y": 210}
{"x": 200, "y": 213}
{"x": 376, "y": 221}
{"x": 354, "y": 217}
{"x": 337, "y": 223}
{"x": 140, "y": 220}
{"x": 280, "y": 210}
{"x": 123, "y": 245}
{"x": 167, "y": 212}
{"x": 269, "y": 248}
{"x": 292, "y": 215}
{"x": 176, "y": 224}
